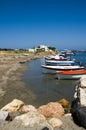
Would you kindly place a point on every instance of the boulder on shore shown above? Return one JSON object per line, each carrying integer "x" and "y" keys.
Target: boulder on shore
{"x": 65, "y": 104}
{"x": 52, "y": 109}
{"x": 15, "y": 105}
{"x": 29, "y": 121}
{"x": 80, "y": 92}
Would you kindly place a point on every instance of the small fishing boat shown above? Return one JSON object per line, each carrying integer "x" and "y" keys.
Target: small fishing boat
{"x": 56, "y": 57}
{"x": 59, "y": 65}
{"x": 71, "y": 74}
{"x": 72, "y": 66}
{"x": 59, "y": 62}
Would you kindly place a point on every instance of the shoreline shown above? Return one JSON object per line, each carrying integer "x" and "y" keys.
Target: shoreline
{"x": 11, "y": 86}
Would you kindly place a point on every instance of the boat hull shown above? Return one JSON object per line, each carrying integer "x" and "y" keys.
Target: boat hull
{"x": 59, "y": 62}
{"x": 63, "y": 76}
{"x": 49, "y": 71}
{"x": 72, "y": 74}
{"x": 62, "y": 67}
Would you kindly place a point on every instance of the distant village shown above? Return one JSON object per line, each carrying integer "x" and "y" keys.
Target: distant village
{"x": 40, "y": 48}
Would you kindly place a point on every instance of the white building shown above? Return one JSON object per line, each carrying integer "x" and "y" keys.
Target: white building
{"x": 40, "y": 47}
{"x": 43, "y": 47}
{"x": 32, "y": 50}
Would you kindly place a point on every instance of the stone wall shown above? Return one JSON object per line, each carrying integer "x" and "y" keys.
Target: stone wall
{"x": 80, "y": 91}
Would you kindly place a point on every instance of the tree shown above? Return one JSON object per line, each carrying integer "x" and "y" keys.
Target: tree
{"x": 52, "y": 48}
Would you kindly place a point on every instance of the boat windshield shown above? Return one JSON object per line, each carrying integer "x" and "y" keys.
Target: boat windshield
{"x": 58, "y": 64}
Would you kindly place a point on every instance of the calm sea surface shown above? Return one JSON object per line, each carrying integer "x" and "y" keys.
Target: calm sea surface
{"x": 46, "y": 87}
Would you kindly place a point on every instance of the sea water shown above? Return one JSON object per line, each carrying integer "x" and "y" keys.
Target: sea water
{"x": 46, "y": 87}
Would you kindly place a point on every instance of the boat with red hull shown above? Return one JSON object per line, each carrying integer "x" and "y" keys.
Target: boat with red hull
{"x": 71, "y": 74}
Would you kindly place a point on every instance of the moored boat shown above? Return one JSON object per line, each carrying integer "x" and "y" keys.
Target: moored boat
{"x": 71, "y": 74}
{"x": 57, "y": 57}
{"x": 59, "y": 62}
{"x": 60, "y": 65}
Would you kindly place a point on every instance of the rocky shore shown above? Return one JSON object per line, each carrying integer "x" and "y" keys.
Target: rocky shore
{"x": 19, "y": 114}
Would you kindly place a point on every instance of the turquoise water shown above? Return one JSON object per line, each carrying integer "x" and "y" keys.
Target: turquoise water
{"x": 46, "y": 87}
{"x": 80, "y": 57}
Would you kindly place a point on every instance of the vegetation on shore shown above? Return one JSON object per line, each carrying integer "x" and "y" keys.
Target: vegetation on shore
{"x": 11, "y": 52}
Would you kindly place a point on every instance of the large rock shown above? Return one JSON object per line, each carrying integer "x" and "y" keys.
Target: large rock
{"x": 67, "y": 124}
{"x": 80, "y": 91}
{"x": 55, "y": 122}
{"x": 82, "y": 96}
{"x": 27, "y": 108}
{"x": 52, "y": 109}
{"x": 64, "y": 103}
{"x": 83, "y": 81}
{"x": 15, "y": 105}
{"x": 29, "y": 121}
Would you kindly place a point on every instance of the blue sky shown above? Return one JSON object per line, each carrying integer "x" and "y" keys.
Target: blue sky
{"x": 29, "y": 23}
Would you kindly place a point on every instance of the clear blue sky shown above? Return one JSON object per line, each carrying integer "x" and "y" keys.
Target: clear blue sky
{"x": 29, "y": 23}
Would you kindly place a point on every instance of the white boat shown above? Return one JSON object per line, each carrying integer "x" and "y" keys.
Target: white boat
{"x": 59, "y": 62}
{"x": 71, "y": 74}
{"x": 59, "y": 65}
{"x": 68, "y": 52}
{"x": 54, "y": 62}
{"x": 57, "y": 57}
{"x": 62, "y": 67}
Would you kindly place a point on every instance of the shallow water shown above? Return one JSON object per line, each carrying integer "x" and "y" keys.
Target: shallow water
{"x": 46, "y": 87}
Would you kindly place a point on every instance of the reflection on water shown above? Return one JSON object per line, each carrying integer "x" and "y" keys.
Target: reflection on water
{"x": 45, "y": 86}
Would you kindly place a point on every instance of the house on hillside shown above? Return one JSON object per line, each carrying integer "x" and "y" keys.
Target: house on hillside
{"x": 42, "y": 47}
{"x": 39, "y": 48}
{"x": 32, "y": 50}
